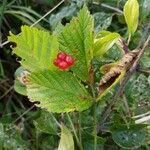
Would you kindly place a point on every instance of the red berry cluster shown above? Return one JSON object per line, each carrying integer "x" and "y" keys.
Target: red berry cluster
{"x": 64, "y": 61}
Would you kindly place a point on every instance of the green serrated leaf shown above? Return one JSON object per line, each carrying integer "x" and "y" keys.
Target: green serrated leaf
{"x": 77, "y": 40}
{"x": 37, "y": 48}
{"x": 58, "y": 91}
{"x": 104, "y": 41}
{"x": 66, "y": 140}
{"x": 131, "y": 13}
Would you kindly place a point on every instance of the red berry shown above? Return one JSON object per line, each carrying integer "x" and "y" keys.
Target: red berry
{"x": 61, "y": 55}
{"x": 69, "y": 60}
{"x": 57, "y": 62}
{"x": 63, "y": 65}
{"x": 64, "y": 61}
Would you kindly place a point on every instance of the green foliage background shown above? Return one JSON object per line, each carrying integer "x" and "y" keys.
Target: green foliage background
{"x": 25, "y": 126}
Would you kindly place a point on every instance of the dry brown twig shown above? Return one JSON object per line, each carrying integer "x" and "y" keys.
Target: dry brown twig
{"x": 122, "y": 85}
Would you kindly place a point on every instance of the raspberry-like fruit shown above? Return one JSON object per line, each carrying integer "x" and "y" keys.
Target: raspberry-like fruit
{"x": 64, "y": 61}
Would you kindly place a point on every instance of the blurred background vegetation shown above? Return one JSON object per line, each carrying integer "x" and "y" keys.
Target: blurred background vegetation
{"x": 22, "y": 125}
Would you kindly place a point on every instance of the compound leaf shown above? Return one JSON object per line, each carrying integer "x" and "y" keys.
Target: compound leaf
{"x": 37, "y": 48}
{"x": 58, "y": 91}
{"x": 77, "y": 40}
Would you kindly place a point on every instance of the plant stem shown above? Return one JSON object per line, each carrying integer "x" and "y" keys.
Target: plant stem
{"x": 47, "y": 13}
{"x": 126, "y": 105}
{"x": 112, "y": 8}
{"x": 129, "y": 38}
{"x": 95, "y": 127}
{"x": 80, "y": 135}
{"x": 75, "y": 133}
{"x": 37, "y": 138}
{"x": 143, "y": 71}
{"x": 54, "y": 118}
{"x": 95, "y": 118}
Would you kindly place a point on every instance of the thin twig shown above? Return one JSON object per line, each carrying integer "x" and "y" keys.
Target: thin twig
{"x": 146, "y": 44}
{"x": 4, "y": 80}
{"x": 142, "y": 115}
{"x": 6, "y": 92}
{"x": 24, "y": 114}
{"x": 143, "y": 71}
{"x": 6, "y": 42}
{"x": 20, "y": 117}
{"x": 48, "y": 13}
{"x": 126, "y": 105}
{"x": 55, "y": 120}
{"x": 112, "y": 8}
